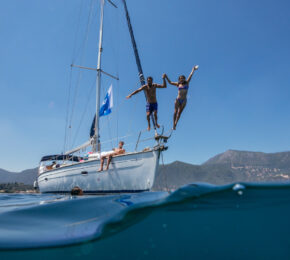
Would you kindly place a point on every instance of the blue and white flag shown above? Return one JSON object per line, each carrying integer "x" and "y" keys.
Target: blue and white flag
{"x": 107, "y": 105}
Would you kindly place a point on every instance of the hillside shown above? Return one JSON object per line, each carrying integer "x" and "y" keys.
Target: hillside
{"x": 176, "y": 174}
{"x": 25, "y": 177}
{"x": 241, "y": 158}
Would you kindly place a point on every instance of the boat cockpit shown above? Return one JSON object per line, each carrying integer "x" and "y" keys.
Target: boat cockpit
{"x": 50, "y": 162}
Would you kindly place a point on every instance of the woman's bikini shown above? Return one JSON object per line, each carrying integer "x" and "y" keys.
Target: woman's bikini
{"x": 179, "y": 100}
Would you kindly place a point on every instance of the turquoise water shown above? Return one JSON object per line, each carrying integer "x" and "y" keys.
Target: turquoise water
{"x": 198, "y": 221}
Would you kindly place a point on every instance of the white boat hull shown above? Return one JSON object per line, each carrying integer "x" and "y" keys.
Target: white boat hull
{"x": 132, "y": 172}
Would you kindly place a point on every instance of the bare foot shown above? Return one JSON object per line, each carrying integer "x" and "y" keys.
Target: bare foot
{"x": 100, "y": 170}
{"x": 158, "y": 126}
{"x": 148, "y": 128}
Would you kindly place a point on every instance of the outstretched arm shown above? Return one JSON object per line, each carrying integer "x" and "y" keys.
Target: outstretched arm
{"x": 136, "y": 91}
{"x": 191, "y": 73}
{"x": 164, "y": 85}
{"x": 170, "y": 82}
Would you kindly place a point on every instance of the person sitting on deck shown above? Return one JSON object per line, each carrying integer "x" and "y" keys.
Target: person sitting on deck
{"x": 150, "y": 91}
{"x": 116, "y": 151}
{"x": 52, "y": 166}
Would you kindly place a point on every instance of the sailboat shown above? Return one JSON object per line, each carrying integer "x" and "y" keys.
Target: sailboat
{"x": 130, "y": 172}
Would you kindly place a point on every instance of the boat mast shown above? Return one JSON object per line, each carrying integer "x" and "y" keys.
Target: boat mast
{"x": 137, "y": 58}
{"x": 96, "y": 141}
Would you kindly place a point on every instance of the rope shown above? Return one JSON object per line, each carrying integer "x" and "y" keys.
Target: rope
{"x": 89, "y": 20}
{"x": 77, "y": 34}
{"x": 82, "y": 58}
{"x": 118, "y": 69}
{"x": 84, "y": 111}
{"x": 123, "y": 137}
{"x": 117, "y": 111}
{"x": 147, "y": 139}
{"x": 115, "y": 47}
{"x": 109, "y": 130}
{"x": 67, "y": 112}
{"x": 131, "y": 120}
{"x": 70, "y": 77}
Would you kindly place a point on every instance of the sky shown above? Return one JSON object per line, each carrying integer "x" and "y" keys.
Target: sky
{"x": 238, "y": 99}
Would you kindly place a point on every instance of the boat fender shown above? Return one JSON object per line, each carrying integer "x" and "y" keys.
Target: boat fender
{"x": 35, "y": 185}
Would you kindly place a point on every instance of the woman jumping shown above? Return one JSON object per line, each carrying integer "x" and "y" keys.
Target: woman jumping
{"x": 180, "y": 101}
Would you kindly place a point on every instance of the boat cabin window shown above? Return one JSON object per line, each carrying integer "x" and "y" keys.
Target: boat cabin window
{"x": 50, "y": 165}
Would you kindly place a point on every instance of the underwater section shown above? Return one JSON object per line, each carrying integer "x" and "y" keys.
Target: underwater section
{"x": 197, "y": 221}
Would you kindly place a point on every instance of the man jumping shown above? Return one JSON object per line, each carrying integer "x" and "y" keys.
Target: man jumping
{"x": 150, "y": 90}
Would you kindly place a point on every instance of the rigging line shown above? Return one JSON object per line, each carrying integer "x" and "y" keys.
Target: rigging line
{"x": 146, "y": 139}
{"x": 118, "y": 65}
{"x": 83, "y": 43}
{"x": 111, "y": 40}
{"x": 84, "y": 111}
{"x": 109, "y": 130}
{"x": 128, "y": 144}
{"x": 131, "y": 120}
{"x": 125, "y": 145}
{"x": 74, "y": 100}
{"x": 113, "y": 51}
{"x": 117, "y": 112}
{"x": 70, "y": 80}
{"x": 108, "y": 122}
{"x": 82, "y": 58}
{"x": 67, "y": 133}
{"x": 122, "y": 137}
{"x": 77, "y": 34}
{"x": 67, "y": 112}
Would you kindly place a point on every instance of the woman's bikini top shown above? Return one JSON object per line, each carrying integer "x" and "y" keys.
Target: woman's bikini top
{"x": 183, "y": 87}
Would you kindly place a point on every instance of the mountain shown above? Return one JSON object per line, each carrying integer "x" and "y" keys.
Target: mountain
{"x": 241, "y": 158}
{"x": 228, "y": 167}
{"x": 25, "y": 177}
{"x": 176, "y": 174}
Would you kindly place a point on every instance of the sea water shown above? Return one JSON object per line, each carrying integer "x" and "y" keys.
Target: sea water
{"x": 197, "y": 221}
